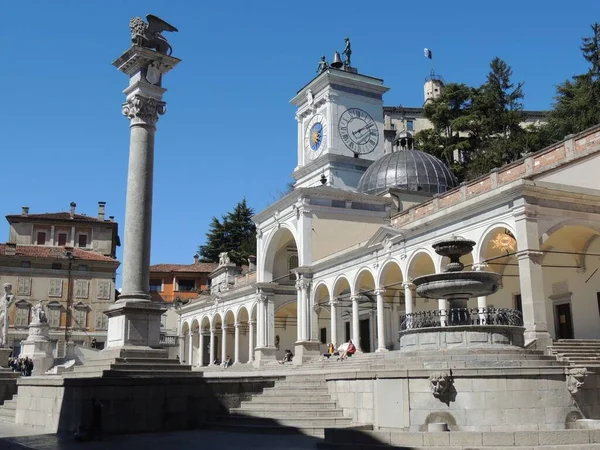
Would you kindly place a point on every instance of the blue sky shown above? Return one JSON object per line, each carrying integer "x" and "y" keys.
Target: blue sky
{"x": 229, "y": 130}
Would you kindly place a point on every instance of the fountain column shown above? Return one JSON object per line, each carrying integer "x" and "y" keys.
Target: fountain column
{"x": 380, "y": 321}
{"x": 355, "y": 322}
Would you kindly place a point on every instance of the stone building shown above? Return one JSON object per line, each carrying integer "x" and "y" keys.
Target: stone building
{"x": 68, "y": 262}
{"x": 336, "y": 257}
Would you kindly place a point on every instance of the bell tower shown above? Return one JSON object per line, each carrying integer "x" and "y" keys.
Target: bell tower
{"x": 340, "y": 126}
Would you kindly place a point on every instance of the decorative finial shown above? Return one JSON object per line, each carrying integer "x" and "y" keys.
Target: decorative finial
{"x": 149, "y": 35}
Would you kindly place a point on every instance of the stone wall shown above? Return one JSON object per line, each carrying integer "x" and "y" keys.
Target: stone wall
{"x": 130, "y": 405}
{"x": 507, "y": 399}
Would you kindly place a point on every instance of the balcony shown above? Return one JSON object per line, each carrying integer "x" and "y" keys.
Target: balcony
{"x": 168, "y": 340}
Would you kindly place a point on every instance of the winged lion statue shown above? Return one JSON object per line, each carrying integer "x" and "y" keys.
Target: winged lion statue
{"x": 149, "y": 34}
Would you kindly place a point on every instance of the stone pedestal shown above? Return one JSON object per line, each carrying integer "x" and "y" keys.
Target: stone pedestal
{"x": 4, "y": 355}
{"x": 262, "y": 355}
{"x": 134, "y": 324}
{"x": 38, "y": 348}
{"x": 305, "y": 351}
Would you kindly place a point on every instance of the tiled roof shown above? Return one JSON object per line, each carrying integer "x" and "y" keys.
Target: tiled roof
{"x": 62, "y": 216}
{"x": 192, "y": 268}
{"x": 40, "y": 251}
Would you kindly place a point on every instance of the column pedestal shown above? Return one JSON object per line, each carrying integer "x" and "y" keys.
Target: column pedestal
{"x": 304, "y": 351}
{"x": 262, "y": 355}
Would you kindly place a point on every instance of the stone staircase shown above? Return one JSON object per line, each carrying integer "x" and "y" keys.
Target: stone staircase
{"x": 296, "y": 403}
{"x": 577, "y": 352}
{"x": 8, "y": 410}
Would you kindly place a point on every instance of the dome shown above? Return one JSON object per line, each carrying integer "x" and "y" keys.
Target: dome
{"x": 412, "y": 170}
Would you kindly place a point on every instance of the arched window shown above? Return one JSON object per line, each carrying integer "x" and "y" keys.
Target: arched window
{"x": 292, "y": 264}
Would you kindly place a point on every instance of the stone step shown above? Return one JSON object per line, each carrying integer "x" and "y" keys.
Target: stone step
{"x": 291, "y": 421}
{"x": 8, "y": 413}
{"x": 290, "y": 414}
{"x": 296, "y": 390}
{"x": 292, "y": 399}
{"x": 256, "y": 405}
{"x": 10, "y": 404}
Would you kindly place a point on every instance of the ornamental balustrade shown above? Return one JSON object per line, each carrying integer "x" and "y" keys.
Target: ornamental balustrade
{"x": 461, "y": 317}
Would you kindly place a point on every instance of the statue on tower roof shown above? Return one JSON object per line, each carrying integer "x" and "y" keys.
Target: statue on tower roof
{"x": 149, "y": 34}
{"x": 347, "y": 52}
{"x": 322, "y": 67}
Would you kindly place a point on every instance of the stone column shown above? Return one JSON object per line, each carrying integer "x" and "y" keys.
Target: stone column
{"x": 182, "y": 347}
{"x": 201, "y": 349}
{"x": 265, "y": 349}
{"x": 380, "y": 321}
{"x": 531, "y": 278}
{"x": 302, "y": 286}
{"x": 190, "y": 352}
{"x": 236, "y": 355}
{"x": 224, "y": 329}
{"x": 408, "y": 297}
{"x": 251, "y": 340}
{"x": 355, "y": 322}
{"x": 299, "y": 312}
{"x": 481, "y": 301}
{"x": 134, "y": 320}
{"x": 270, "y": 321}
{"x": 443, "y": 309}
{"x": 333, "y": 304}
{"x": 260, "y": 328}
{"x": 211, "y": 350}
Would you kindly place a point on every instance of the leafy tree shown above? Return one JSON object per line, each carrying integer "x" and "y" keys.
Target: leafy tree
{"x": 235, "y": 234}
{"x": 577, "y": 105}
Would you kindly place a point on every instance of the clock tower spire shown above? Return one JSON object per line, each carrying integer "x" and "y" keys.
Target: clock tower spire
{"x": 340, "y": 125}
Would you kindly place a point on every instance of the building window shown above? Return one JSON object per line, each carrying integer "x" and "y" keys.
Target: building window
{"x": 62, "y": 239}
{"x": 518, "y": 303}
{"x": 22, "y": 315}
{"x": 103, "y": 290}
{"x": 25, "y": 264}
{"x": 82, "y": 267}
{"x": 56, "y": 266}
{"x": 82, "y": 288}
{"x": 41, "y": 238}
{"x": 163, "y": 321}
{"x": 323, "y": 335}
{"x": 80, "y": 316}
{"x": 101, "y": 321}
{"x": 24, "y": 286}
{"x": 82, "y": 240}
{"x": 410, "y": 125}
{"x": 55, "y": 289}
{"x": 292, "y": 264}
{"x": 156, "y": 285}
{"x": 53, "y": 313}
{"x": 186, "y": 285}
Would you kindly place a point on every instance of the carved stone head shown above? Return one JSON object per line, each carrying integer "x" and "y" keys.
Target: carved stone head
{"x": 7, "y": 289}
{"x": 575, "y": 379}
{"x": 440, "y": 382}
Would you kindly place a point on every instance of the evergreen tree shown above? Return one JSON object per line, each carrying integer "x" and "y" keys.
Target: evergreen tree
{"x": 235, "y": 234}
{"x": 577, "y": 105}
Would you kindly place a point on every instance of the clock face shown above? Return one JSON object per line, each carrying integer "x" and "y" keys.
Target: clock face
{"x": 314, "y": 136}
{"x": 359, "y": 131}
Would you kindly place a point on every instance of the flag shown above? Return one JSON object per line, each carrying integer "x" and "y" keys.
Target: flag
{"x": 428, "y": 53}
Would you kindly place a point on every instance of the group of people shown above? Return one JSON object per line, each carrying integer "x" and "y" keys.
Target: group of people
{"x": 342, "y": 352}
{"x": 24, "y": 366}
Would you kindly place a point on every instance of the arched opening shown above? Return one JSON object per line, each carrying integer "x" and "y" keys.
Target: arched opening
{"x": 571, "y": 269}
{"x": 281, "y": 253}
{"x": 321, "y": 302}
{"x": 216, "y": 350}
{"x": 285, "y": 327}
{"x": 342, "y": 295}
{"x": 420, "y": 264}
{"x": 252, "y": 333}
{"x": 195, "y": 355}
{"x": 228, "y": 337}
{"x": 244, "y": 329}
{"x": 391, "y": 279}
{"x": 364, "y": 289}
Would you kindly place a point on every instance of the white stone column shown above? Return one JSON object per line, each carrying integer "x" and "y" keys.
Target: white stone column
{"x": 260, "y": 323}
{"x": 304, "y": 324}
{"x": 355, "y": 322}
{"x": 143, "y": 105}
{"x": 224, "y": 329}
{"x": 531, "y": 278}
{"x": 333, "y": 305}
{"x": 182, "y": 347}
{"x": 270, "y": 321}
{"x": 443, "y": 309}
{"x": 236, "y": 356}
{"x": 201, "y": 349}
{"x": 408, "y": 297}
{"x": 251, "y": 340}
{"x": 190, "y": 359}
{"x": 211, "y": 350}
{"x": 299, "y": 311}
{"x": 380, "y": 321}
{"x": 481, "y": 301}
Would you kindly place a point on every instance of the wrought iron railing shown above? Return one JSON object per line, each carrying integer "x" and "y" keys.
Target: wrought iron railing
{"x": 461, "y": 316}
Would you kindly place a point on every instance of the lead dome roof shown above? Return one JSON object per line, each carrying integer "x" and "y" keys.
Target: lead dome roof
{"x": 411, "y": 170}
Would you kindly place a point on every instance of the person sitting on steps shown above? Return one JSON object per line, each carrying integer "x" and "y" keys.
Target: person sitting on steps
{"x": 330, "y": 351}
{"x": 350, "y": 350}
{"x": 287, "y": 357}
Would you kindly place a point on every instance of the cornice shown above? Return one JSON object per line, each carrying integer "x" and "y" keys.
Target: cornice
{"x": 330, "y": 158}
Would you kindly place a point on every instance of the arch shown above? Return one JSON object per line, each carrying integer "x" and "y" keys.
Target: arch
{"x": 252, "y": 310}
{"x": 321, "y": 294}
{"x": 242, "y": 315}
{"x": 205, "y": 323}
{"x": 390, "y": 274}
{"x": 364, "y": 280}
{"x": 480, "y": 244}
{"x": 216, "y": 319}
{"x": 185, "y": 328}
{"x": 497, "y": 247}
{"x": 420, "y": 263}
{"x": 571, "y": 235}
{"x": 228, "y": 318}
{"x": 341, "y": 285}
{"x": 285, "y": 236}
{"x": 195, "y": 322}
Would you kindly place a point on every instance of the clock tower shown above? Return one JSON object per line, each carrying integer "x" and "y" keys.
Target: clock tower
{"x": 340, "y": 128}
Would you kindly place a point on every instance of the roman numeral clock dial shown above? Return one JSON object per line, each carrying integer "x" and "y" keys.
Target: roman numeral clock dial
{"x": 359, "y": 131}
{"x": 314, "y": 136}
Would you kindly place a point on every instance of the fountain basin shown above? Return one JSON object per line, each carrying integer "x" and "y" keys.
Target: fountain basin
{"x": 457, "y": 285}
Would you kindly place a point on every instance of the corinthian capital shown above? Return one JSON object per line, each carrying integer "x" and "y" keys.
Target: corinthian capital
{"x": 143, "y": 110}
{"x": 302, "y": 283}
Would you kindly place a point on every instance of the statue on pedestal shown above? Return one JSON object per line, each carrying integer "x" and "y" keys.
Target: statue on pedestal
{"x": 347, "y": 52}
{"x": 149, "y": 34}
{"x": 322, "y": 67}
{"x": 38, "y": 315}
{"x": 5, "y": 302}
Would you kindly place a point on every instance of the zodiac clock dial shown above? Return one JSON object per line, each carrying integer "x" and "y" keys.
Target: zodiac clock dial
{"x": 359, "y": 131}
{"x": 314, "y": 136}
